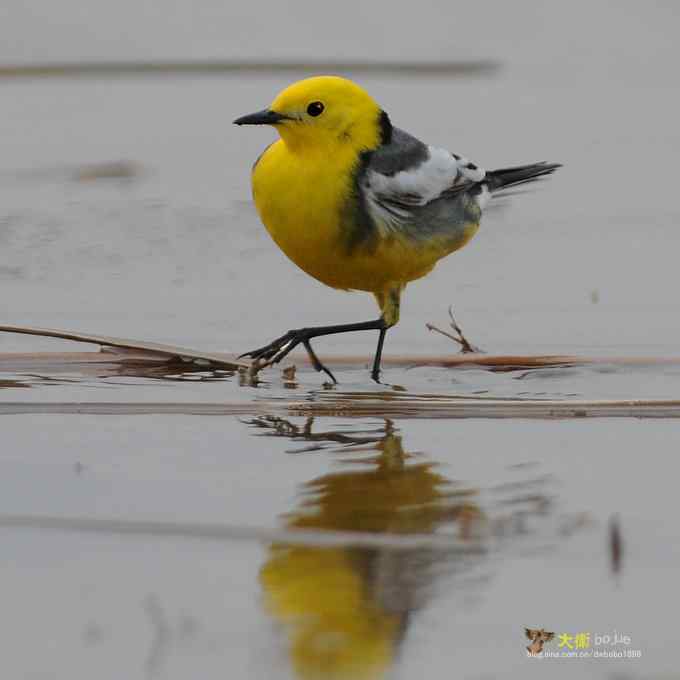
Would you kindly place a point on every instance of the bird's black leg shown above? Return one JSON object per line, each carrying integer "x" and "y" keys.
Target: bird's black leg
{"x": 316, "y": 362}
{"x": 278, "y": 349}
{"x": 375, "y": 373}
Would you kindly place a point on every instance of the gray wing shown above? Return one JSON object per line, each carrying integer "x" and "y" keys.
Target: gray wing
{"x": 405, "y": 183}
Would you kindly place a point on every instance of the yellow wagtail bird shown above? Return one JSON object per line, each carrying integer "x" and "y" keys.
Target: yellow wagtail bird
{"x": 359, "y": 204}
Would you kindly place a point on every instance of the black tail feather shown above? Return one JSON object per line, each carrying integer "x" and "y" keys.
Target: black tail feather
{"x": 522, "y": 174}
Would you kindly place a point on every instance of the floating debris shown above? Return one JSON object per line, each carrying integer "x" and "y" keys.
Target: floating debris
{"x": 288, "y": 375}
{"x": 116, "y": 345}
{"x": 126, "y": 170}
{"x": 615, "y": 545}
{"x": 113, "y": 69}
{"x": 465, "y": 346}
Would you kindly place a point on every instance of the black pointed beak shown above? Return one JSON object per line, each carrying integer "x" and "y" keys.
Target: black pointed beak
{"x": 264, "y": 117}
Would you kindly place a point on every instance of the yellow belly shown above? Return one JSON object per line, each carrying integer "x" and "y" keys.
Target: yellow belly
{"x": 300, "y": 201}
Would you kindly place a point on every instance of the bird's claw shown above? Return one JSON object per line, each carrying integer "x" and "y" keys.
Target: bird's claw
{"x": 269, "y": 352}
{"x": 278, "y": 349}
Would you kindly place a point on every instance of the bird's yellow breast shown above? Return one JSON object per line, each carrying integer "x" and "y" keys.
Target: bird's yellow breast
{"x": 298, "y": 197}
{"x": 301, "y": 198}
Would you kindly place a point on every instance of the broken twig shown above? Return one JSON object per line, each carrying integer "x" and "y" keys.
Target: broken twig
{"x": 466, "y": 347}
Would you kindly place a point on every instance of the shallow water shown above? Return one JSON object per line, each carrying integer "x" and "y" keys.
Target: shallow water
{"x": 269, "y": 545}
{"x": 524, "y": 511}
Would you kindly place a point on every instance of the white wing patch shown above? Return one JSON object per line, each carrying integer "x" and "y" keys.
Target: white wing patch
{"x": 483, "y": 197}
{"x": 391, "y": 196}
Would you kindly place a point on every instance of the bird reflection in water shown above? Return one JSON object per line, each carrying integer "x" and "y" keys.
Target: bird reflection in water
{"x": 345, "y": 610}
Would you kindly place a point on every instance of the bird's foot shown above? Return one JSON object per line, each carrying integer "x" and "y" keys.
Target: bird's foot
{"x": 267, "y": 355}
{"x": 278, "y": 349}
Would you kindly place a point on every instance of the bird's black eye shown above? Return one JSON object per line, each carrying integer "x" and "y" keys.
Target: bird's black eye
{"x": 315, "y": 109}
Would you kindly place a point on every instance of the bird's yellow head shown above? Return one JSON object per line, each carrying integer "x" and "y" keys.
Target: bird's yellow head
{"x": 324, "y": 112}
